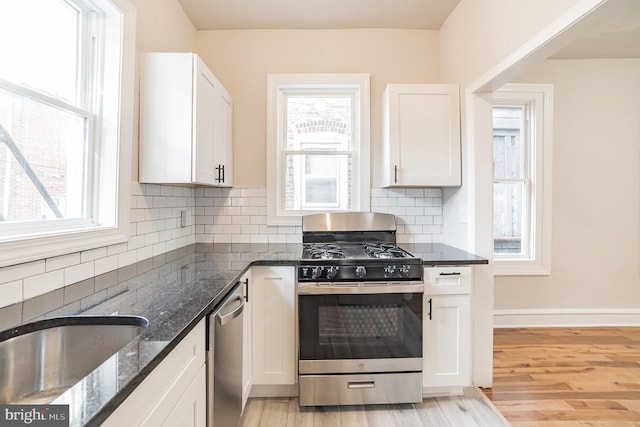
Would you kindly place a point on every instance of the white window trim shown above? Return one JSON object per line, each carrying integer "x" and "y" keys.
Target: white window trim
{"x": 541, "y": 213}
{"x": 92, "y": 236}
{"x": 275, "y": 84}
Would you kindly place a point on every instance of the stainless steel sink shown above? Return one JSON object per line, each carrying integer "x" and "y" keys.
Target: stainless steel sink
{"x": 40, "y": 360}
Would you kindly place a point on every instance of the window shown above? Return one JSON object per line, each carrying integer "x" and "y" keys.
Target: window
{"x": 522, "y": 179}
{"x": 318, "y": 155}
{"x": 65, "y": 125}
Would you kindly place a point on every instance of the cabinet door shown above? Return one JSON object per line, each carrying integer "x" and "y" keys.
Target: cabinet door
{"x": 446, "y": 341}
{"x": 273, "y": 325}
{"x": 203, "y": 124}
{"x": 422, "y": 135}
{"x": 223, "y": 137}
{"x": 247, "y": 375}
{"x": 186, "y": 119}
{"x": 166, "y": 103}
{"x": 163, "y": 389}
{"x": 191, "y": 409}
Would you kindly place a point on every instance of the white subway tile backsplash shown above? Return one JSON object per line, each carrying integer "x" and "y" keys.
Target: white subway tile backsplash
{"x": 222, "y": 238}
{"x": 93, "y": 254}
{"x": 406, "y": 201}
{"x": 166, "y": 190}
{"x": 212, "y": 192}
{"x": 424, "y": 219}
{"x": 241, "y": 238}
{"x": 59, "y": 262}
{"x": 104, "y": 265}
{"x": 136, "y": 242}
{"x": 79, "y": 272}
{"x": 415, "y": 193}
{"x": 220, "y": 215}
{"x": 11, "y": 293}
{"x": 250, "y": 192}
{"x": 20, "y": 271}
{"x": 259, "y": 238}
{"x": 116, "y": 249}
{"x": 240, "y": 219}
{"x": 247, "y": 208}
{"x": 43, "y": 283}
{"x": 250, "y": 229}
{"x": 277, "y": 238}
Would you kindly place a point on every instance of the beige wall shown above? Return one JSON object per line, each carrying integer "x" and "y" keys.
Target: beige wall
{"x": 161, "y": 26}
{"x": 241, "y": 59}
{"x": 481, "y": 33}
{"x": 477, "y": 36}
{"x": 596, "y": 190}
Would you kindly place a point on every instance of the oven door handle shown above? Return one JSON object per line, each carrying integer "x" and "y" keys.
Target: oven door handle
{"x": 361, "y": 384}
{"x": 315, "y": 288}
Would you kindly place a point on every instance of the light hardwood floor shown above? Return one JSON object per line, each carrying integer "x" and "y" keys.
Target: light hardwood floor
{"x": 470, "y": 410}
{"x": 565, "y": 377}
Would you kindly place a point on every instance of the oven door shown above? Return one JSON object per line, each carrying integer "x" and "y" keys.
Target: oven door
{"x": 360, "y": 332}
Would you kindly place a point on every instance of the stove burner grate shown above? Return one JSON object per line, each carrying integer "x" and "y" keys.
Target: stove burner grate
{"x": 384, "y": 250}
{"x": 322, "y": 251}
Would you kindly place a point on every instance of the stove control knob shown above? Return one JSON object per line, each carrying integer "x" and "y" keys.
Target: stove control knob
{"x": 332, "y": 271}
{"x": 361, "y": 271}
{"x": 389, "y": 270}
{"x": 404, "y": 270}
{"x": 316, "y": 272}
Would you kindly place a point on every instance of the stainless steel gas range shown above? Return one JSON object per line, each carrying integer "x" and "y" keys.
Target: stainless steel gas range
{"x": 359, "y": 312}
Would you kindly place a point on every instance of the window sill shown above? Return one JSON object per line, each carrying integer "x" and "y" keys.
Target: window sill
{"x": 18, "y": 252}
{"x": 519, "y": 268}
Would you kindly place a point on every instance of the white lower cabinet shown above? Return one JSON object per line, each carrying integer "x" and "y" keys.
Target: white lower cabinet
{"x": 191, "y": 409}
{"x": 174, "y": 393}
{"x": 447, "y": 328}
{"x": 273, "y": 301}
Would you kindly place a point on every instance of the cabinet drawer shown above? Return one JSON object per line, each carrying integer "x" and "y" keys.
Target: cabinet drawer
{"x": 447, "y": 280}
{"x": 358, "y": 389}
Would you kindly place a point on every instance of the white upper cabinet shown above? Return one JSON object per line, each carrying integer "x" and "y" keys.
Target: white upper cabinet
{"x": 421, "y": 135}
{"x": 185, "y": 122}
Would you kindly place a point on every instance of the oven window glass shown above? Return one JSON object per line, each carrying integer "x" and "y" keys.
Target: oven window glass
{"x": 360, "y": 326}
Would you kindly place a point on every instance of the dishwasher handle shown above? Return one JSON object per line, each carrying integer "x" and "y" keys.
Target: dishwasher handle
{"x": 228, "y": 317}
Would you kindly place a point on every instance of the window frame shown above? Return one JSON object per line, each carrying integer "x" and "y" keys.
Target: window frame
{"x": 110, "y": 142}
{"x": 537, "y": 100}
{"x": 278, "y": 86}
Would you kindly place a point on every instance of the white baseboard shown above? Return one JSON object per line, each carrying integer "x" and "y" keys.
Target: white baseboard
{"x": 566, "y": 317}
{"x": 264, "y": 390}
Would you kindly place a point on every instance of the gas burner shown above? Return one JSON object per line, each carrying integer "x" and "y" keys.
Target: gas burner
{"x": 321, "y": 251}
{"x": 384, "y": 250}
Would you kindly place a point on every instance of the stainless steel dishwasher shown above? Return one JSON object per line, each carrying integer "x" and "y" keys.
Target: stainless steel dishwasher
{"x": 224, "y": 361}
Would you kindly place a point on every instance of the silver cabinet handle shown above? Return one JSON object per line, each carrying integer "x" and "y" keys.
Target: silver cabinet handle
{"x": 395, "y": 174}
{"x": 361, "y": 384}
{"x": 224, "y": 319}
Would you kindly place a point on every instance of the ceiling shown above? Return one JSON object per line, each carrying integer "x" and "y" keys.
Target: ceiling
{"x": 317, "y": 14}
{"x": 613, "y": 31}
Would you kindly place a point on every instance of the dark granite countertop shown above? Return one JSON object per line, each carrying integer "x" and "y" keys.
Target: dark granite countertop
{"x": 434, "y": 254}
{"x": 175, "y": 291}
